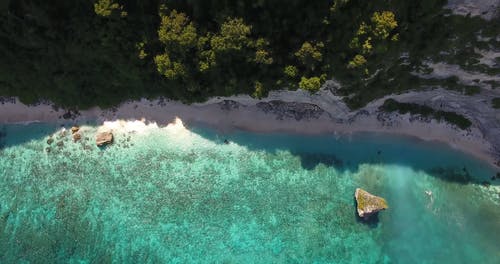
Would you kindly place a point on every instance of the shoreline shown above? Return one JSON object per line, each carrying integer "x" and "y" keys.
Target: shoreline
{"x": 282, "y": 112}
{"x": 485, "y": 157}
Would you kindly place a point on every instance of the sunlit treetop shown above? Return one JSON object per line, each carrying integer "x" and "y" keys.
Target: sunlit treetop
{"x": 383, "y": 23}
{"x": 170, "y": 69}
{"x": 176, "y": 29}
{"x": 262, "y": 55}
{"x": 105, "y": 8}
{"x": 291, "y": 71}
{"x": 337, "y": 4}
{"x": 234, "y": 35}
{"x": 310, "y": 54}
{"x": 357, "y": 61}
{"x": 312, "y": 84}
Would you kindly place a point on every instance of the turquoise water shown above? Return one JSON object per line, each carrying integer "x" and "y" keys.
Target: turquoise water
{"x": 183, "y": 196}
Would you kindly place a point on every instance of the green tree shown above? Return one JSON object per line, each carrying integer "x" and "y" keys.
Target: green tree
{"x": 232, "y": 40}
{"x": 179, "y": 37}
{"x": 258, "y": 90}
{"x": 262, "y": 55}
{"x": 383, "y": 23}
{"x": 309, "y": 55}
{"x": 141, "y": 48}
{"x": 291, "y": 71}
{"x": 170, "y": 69}
{"x": 338, "y": 4}
{"x": 312, "y": 84}
{"x": 370, "y": 35}
{"x": 357, "y": 61}
{"x": 105, "y": 8}
{"x": 176, "y": 31}
{"x": 203, "y": 48}
{"x": 233, "y": 36}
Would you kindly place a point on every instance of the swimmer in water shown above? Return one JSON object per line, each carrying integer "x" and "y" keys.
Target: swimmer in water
{"x": 429, "y": 193}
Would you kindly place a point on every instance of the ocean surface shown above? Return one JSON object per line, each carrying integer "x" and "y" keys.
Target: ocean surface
{"x": 183, "y": 195}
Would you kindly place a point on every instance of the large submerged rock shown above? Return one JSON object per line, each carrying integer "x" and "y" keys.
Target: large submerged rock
{"x": 77, "y": 137}
{"x": 104, "y": 138}
{"x": 368, "y": 204}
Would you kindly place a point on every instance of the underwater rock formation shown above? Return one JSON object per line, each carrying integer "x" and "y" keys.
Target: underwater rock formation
{"x": 77, "y": 137}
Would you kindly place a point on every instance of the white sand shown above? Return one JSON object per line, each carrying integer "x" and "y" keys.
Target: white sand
{"x": 140, "y": 115}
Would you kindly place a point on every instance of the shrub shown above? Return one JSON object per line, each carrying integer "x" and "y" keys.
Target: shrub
{"x": 310, "y": 84}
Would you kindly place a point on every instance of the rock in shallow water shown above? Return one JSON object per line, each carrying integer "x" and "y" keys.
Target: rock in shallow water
{"x": 368, "y": 204}
{"x": 77, "y": 137}
{"x": 104, "y": 138}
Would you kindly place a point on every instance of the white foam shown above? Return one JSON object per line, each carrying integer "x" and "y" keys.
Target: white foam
{"x": 128, "y": 126}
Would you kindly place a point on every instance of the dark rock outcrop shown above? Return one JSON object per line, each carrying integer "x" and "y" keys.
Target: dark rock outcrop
{"x": 70, "y": 114}
{"x": 227, "y": 105}
{"x": 298, "y": 111}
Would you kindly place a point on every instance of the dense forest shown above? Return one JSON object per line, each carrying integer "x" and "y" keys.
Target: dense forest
{"x": 83, "y": 53}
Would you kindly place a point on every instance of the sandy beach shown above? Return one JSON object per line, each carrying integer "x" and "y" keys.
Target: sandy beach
{"x": 285, "y": 111}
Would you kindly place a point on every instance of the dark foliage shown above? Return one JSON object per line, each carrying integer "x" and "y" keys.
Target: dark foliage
{"x": 77, "y": 57}
{"x": 391, "y": 105}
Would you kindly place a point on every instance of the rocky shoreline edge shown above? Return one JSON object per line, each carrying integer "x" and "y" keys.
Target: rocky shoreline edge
{"x": 298, "y": 112}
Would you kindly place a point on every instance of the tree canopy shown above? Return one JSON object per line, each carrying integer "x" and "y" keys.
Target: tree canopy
{"x": 83, "y": 53}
